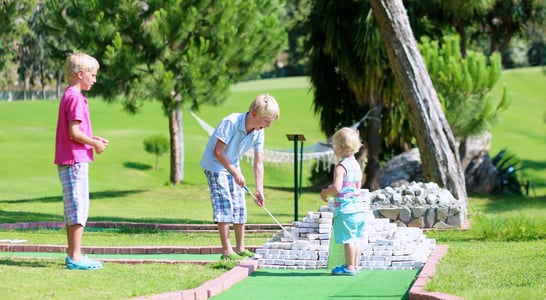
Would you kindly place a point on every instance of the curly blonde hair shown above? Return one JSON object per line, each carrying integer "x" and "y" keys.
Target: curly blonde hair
{"x": 347, "y": 140}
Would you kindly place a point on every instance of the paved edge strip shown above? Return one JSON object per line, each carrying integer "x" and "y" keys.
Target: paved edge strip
{"x": 110, "y": 250}
{"x": 212, "y": 287}
{"x": 417, "y": 290}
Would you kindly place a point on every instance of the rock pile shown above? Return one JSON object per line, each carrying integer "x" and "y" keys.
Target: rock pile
{"x": 422, "y": 205}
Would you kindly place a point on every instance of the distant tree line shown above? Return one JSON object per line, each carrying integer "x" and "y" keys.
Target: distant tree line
{"x": 516, "y": 29}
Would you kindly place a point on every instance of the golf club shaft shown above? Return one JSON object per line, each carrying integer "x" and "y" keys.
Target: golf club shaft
{"x": 269, "y": 213}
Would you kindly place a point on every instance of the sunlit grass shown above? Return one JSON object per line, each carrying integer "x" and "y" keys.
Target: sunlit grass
{"x": 492, "y": 270}
{"x": 45, "y": 279}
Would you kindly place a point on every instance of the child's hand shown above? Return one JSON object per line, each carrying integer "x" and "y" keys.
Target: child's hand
{"x": 260, "y": 199}
{"x": 103, "y": 140}
{"x": 99, "y": 147}
{"x": 324, "y": 195}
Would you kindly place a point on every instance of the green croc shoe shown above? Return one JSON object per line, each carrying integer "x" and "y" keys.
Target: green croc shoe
{"x": 246, "y": 253}
{"x": 232, "y": 256}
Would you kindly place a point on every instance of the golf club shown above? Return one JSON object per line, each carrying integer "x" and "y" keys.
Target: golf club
{"x": 269, "y": 213}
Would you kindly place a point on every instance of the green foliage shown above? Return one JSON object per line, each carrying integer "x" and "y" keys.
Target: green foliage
{"x": 14, "y": 16}
{"x": 463, "y": 85}
{"x": 158, "y": 145}
{"x": 509, "y": 20}
{"x": 175, "y": 52}
{"x": 509, "y": 167}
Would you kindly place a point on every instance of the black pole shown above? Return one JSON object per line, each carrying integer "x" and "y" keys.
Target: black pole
{"x": 297, "y": 190}
{"x": 296, "y": 178}
{"x": 301, "y": 168}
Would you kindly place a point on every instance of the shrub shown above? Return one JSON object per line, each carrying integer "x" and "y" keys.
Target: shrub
{"x": 156, "y": 144}
{"x": 509, "y": 167}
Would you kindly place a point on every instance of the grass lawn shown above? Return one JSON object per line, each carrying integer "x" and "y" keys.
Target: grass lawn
{"x": 522, "y": 128}
{"x": 507, "y": 231}
{"x": 25, "y": 279}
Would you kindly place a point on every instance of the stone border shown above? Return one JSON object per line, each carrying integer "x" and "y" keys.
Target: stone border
{"x": 417, "y": 291}
{"x": 212, "y": 287}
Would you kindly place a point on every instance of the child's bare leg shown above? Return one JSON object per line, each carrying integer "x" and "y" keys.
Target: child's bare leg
{"x": 350, "y": 252}
{"x": 74, "y": 234}
{"x": 357, "y": 255}
{"x": 223, "y": 230}
{"x": 239, "y": 237}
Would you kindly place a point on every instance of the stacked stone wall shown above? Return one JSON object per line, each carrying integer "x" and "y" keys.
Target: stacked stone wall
{"x": 422, "y": 205}
{"x": 384, "y": 245}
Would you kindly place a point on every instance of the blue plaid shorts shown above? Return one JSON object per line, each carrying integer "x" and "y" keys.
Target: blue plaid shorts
{"x": 75, "y": 181}
{"x": 227, "y": 198}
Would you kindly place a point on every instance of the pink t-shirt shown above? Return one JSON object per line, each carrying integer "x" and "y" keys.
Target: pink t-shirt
{"x": 73, "y": 107}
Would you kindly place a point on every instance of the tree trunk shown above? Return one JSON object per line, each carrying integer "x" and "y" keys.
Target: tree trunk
{"x": 462, "y": 35}
{"x": 176, "y": 139}
{"x": 374, "y": 146}
{"x": 58, "y": 85}
{"x": 25, "y": 88}
{"x": 43, "y": 80}
{"x": 437, "y": 146}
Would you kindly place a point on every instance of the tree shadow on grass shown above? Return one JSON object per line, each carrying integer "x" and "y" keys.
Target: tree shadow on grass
{"x": 137, "y": 165}
{"x": 113, "y": 194}
{"x": 535, "y": 182}
{"x": 21, "y": 216}
{"x": 534, "y": 165}
{"x": 506, "y": 203}
{"x": 7, "y": 217}
{"x": 92, "y": 195}
{"x": 33, "y": 263}
{"x": 307, "y": 189}
{"x": 150, "y": 221}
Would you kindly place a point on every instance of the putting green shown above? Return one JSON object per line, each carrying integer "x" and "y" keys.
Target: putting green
{"x": 272, "y": 284}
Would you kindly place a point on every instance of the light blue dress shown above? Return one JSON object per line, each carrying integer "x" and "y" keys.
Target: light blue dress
{"x": 349, "y": 208}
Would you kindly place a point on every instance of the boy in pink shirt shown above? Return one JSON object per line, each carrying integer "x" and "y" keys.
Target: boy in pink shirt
{"x": 74, "y": 145}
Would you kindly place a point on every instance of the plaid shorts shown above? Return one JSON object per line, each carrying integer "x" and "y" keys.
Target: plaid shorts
{"x": 75, "y": 181}
{"x": 228, "y": 199}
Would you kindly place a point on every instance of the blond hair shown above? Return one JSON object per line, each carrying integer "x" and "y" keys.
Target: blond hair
{"x": 265, "y": 105}
{"x": 76, "y": 62}
{"x": 347, "y": 140}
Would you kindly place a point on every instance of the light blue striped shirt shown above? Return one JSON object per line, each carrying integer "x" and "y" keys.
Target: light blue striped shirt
{"x": 232, "y": 132}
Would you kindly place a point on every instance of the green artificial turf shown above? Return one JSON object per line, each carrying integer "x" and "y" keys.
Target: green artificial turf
{"x": 271, "y": 284}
